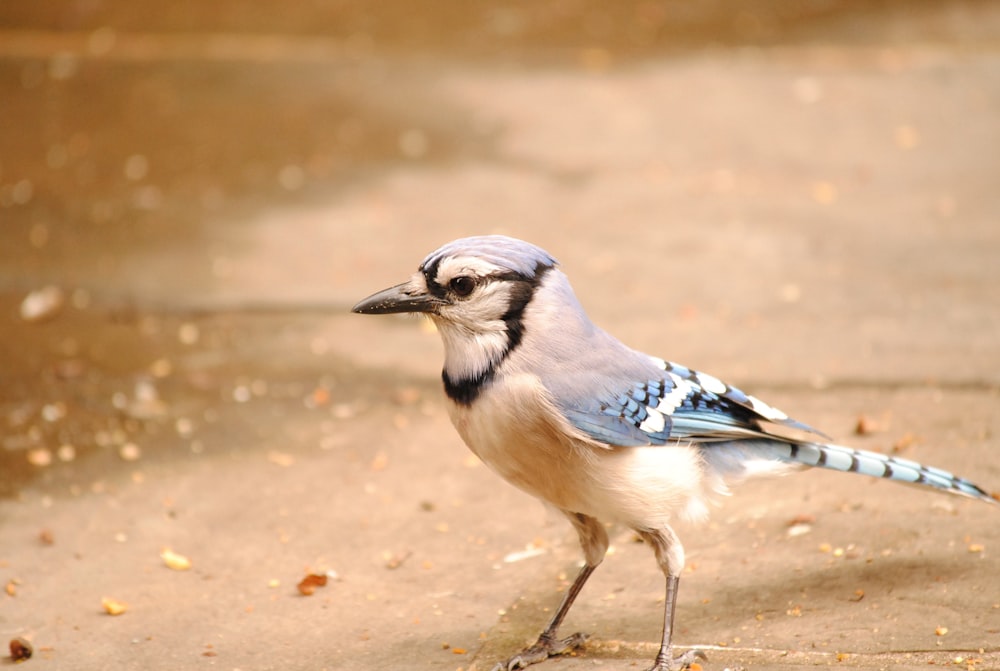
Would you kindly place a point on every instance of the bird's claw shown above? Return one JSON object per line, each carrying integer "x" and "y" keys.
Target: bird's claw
{"x": 680, "y": 662}
{"x": 543, "y": 649}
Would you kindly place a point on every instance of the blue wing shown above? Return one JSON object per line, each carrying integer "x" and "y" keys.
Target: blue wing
{"x": 681, "y": 405}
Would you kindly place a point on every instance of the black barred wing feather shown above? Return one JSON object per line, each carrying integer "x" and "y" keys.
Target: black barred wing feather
{"x": 681, "y": 405}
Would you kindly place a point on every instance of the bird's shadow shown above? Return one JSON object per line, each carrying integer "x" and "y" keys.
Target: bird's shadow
{"x": 833, "y": 583}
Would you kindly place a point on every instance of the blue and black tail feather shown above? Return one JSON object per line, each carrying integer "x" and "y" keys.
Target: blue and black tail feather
{"x": 849, "y": 460}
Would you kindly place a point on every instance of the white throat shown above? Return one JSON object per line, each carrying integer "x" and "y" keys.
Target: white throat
{"x": 469, "y": 355}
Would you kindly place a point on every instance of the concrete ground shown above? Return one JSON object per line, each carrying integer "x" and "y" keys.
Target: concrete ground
{"x": 799, "y": 198}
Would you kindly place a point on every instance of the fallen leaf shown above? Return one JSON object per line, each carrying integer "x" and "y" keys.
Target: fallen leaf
{"x": 310, "y": 583}
{"x": 113, "y": 606}
{"x": 394, "y": 561}
{"x": 802, "y": 518}
{"x": 177, "y": 562}
{"x": 866, "y": 425}
{"x": 904, "y": 443}
{"x": 21, "y": 649}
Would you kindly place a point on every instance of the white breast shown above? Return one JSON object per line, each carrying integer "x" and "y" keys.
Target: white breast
{"x": 518, "y": 433}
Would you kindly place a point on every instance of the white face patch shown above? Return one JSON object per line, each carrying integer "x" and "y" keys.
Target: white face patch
{"x": 473, "y": 327}
{"x": 479, "y": 314}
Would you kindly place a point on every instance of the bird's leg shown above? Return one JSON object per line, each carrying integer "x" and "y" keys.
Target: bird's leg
{"x": 670, "y": 556}
{"x": 548, "y": 643}
{"x": 594, "y": 540}
{"x": 664, "y": 661}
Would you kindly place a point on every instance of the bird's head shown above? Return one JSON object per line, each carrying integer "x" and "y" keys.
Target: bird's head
{"x": 476, "y": 284}
{"x": 476, "y": 290}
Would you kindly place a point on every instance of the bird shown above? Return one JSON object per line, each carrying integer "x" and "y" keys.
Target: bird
{"x": 568, "y": 413}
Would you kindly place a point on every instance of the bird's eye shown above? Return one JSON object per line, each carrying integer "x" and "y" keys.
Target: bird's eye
{"x": 463, "y": 285}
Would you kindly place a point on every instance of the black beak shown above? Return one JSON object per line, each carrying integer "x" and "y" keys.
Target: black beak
{"x": 399, "y": 298}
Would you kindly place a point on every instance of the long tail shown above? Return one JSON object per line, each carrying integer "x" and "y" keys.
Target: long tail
{"x": 839, "y": 458}
{"x": 848, "y": 460}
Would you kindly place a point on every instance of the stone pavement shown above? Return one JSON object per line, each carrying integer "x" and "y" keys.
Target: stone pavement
{"x": 803, "y": 204}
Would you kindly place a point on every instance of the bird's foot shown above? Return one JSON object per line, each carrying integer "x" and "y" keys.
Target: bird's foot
{"x": 665, "y": 663}
{"x": 546, "y": 647}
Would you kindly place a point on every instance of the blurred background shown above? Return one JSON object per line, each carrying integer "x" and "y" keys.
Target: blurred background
{"x": 792, "y": 195}
{"x": 216, "y": 157}
{"x": 132, "y": 132}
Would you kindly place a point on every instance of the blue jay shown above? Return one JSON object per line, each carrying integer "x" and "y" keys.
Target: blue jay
{"x": 566, "y": 412}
